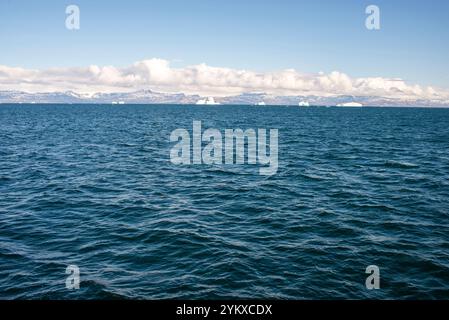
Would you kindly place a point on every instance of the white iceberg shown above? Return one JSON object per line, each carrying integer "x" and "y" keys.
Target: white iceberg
{"x": 350, "y": 104}
{"x": 208, "y": 101}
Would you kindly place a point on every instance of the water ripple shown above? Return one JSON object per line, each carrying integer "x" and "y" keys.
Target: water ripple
{"x": 93, "y": 186}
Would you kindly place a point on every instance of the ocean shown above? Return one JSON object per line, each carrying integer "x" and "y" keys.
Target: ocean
{"x": 93, "y": 186}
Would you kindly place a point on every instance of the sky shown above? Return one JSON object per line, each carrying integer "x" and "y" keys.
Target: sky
{"x": 263, "y": 37}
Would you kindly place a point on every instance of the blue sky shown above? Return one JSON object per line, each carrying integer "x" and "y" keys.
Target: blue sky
{"x": 309, "y": 36}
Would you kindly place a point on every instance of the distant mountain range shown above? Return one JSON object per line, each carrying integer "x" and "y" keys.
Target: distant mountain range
{"x": 151, "y": 97}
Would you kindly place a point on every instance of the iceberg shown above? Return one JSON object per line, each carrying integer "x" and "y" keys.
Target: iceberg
{"x": 350, "y": 104}
{"x": 208, "y": 101}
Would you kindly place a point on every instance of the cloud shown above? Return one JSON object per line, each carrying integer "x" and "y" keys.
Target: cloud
{"x": 158, "y": 75}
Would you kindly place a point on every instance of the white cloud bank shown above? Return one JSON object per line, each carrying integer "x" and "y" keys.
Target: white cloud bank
{"x": 158, "y": 75}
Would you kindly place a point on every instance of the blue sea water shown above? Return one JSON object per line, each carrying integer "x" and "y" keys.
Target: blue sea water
{"x": 93, "y": 186}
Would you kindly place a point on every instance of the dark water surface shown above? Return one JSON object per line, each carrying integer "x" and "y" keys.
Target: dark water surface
{"x": 93, "y": 186}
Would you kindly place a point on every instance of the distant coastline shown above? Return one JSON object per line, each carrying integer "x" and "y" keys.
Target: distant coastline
{"x": 250, "y": 99}
{"x": 215, "y": 106}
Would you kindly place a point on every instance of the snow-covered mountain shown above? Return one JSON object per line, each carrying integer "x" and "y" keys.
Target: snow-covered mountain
{"x": 312, "y": 100}
{"x": 137, "y": 97}
{"x": 152, "y": 97}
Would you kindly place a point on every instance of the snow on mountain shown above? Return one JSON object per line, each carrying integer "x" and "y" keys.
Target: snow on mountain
{"x": 152, "y": 97}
